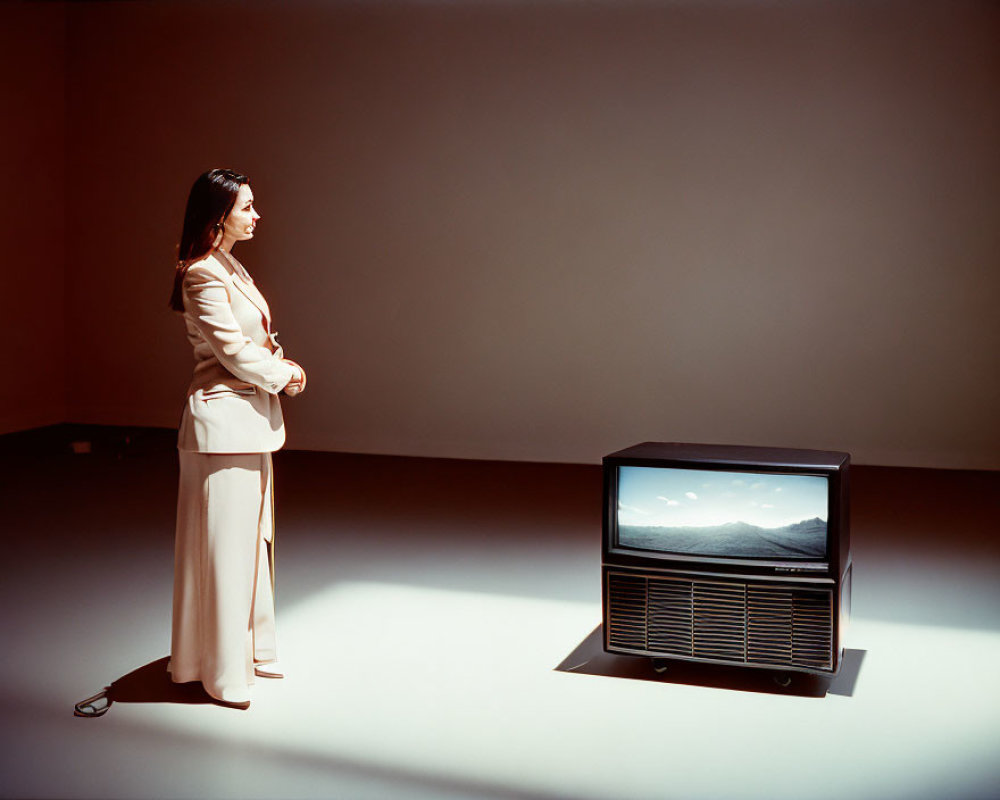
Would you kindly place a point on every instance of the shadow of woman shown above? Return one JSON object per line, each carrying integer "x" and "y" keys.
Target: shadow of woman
{"x": 147, "y": 684}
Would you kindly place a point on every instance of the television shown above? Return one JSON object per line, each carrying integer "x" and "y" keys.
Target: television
{"x": 727, "y": 554}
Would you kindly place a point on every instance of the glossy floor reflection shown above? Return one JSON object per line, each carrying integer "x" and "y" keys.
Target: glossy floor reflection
{"x": 438, "y": 620}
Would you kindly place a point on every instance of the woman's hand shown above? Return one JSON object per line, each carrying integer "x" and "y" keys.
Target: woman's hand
{"x": 298, "y": 382}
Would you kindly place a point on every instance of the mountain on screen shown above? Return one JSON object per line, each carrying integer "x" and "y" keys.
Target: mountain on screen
{"x": 805, "y": 539}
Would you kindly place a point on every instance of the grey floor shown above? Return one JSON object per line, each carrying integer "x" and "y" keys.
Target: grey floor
{"x": 439, "y": 621}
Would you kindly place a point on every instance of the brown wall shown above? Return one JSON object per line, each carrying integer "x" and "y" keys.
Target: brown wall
{"x": 32, "y": 214}
{"x": 545, "y": 231}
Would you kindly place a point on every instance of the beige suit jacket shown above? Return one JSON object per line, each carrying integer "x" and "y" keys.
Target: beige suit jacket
{"x": 232, "y": 404}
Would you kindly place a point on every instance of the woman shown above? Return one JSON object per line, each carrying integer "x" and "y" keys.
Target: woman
{"x": 223, "y": 612}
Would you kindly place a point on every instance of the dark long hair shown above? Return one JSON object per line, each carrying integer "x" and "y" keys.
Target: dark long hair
{"x": 211, "y": 199}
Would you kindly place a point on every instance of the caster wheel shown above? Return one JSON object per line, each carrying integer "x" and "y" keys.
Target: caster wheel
{"x": 783, "y": 681}
{"x": 659, "y": 665}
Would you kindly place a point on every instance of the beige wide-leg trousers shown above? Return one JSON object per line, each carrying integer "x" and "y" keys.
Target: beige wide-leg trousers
{"x": 223, "y": 599}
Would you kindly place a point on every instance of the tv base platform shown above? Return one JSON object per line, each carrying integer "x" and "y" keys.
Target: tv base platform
{"x": 662, "y": 666}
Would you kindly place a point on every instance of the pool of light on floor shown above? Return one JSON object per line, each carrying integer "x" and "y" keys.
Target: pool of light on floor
{"x": 463, "y": 686}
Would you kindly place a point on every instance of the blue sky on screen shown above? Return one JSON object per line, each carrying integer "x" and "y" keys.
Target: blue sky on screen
{"x": 693, "y": 497}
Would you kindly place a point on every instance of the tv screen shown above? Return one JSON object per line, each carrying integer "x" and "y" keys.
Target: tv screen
{"x": 702, "y": 512}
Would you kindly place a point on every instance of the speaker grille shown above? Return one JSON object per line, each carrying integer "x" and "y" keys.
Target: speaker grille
{"x": 671, "y": 617}
{"x": 720, "y": 619}
{"x": 627, "y": 611}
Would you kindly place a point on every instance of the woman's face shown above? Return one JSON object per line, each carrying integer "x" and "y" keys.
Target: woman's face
{"x": 243, "y": 218}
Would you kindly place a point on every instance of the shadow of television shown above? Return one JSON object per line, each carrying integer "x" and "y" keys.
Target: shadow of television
{"x": 590, "y": 658}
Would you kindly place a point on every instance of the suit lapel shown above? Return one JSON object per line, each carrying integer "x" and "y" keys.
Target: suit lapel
{"x": 255, "y": 297}
{"x": 249, "y": 291}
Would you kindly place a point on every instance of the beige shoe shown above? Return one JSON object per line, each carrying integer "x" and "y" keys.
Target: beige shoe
{"x": 241, "y": 705}
{"x": 272, "y": 670}
{"x": 233, "y": 698}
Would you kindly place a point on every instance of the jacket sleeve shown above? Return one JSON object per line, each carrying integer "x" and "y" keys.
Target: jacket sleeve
{"x": 206, "y": 299}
